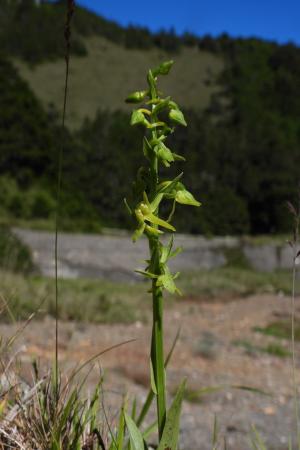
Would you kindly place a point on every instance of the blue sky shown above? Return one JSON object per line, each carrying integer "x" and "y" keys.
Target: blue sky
{"x": 270, "y": 19}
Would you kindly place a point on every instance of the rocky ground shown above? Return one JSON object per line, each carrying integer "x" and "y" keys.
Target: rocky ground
{"x": 217, "y": 348}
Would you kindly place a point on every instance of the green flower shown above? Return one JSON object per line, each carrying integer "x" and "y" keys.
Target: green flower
{"x": 146, "y": 218}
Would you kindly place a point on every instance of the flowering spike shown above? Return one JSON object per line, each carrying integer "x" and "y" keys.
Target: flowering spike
{"x": 150, "y": 193}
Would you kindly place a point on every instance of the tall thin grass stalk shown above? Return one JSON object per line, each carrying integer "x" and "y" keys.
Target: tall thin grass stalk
{"x": 295, "y": 387}
{"x": 294, "y": 242}
{"x": 67, "y": 36}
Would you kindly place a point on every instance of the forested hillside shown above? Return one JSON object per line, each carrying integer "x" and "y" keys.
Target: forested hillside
{"x": 241, "y": 99}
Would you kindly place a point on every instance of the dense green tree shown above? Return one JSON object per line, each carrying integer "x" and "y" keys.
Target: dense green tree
{"x": 26, "y": 139}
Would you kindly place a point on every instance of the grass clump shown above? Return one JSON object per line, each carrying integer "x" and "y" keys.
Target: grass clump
{"x": 277, "y": 350}
{"x": 229, "y": 282}
{"x": 33, "y": 417}
{"x": 193, "y": 396}
{"x": 249, "y": 348}
{"x": 111, "y": 302}
{"x": 43, "y": 416}
{"x": 280, "y": 329}
{"x": 113, "y": 311}
{"x": 104, "y": 302}
{"x": 272, "y": 348}
{"x": 45, "y": 422}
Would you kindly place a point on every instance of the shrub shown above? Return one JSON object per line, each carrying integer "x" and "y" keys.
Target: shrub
{"x": 17, "y": 206}
{"x": 42, "y": 205}
{"x": 14, "y": 255}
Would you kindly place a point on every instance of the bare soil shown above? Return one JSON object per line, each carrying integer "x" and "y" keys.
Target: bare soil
{"x": 206, "y": 354}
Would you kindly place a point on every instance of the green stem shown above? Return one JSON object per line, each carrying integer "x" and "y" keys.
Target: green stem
{"x": 157, "y": 345}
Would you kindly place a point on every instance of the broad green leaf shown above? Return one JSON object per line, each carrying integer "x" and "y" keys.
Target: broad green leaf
{"x": 170, "y": 435}
{"x": 137, "y": 117}
{"x": 163, "y": 69}
{"x": 136, "y": 438}
{"x": 136, "y": 97}
{"x": 177, "y": 116}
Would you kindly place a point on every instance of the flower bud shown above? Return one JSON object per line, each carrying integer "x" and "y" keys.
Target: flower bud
{"x": 164, "y": 153}
{"x": 185, "y": 197}
{"x": 163, "y": 69}
{"x": 136, "y": 97}
{"x": 177, "y": 116}
{"x": 137, "y": 118}
{"x": 144, "y": 209}
{"x": 139, "y": 215}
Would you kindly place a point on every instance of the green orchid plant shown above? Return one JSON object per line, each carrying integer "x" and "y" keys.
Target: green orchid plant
{"x": 159, "y": 116}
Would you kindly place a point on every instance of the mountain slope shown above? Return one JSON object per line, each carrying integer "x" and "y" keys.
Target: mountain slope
{"x": 103, "y": 78}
